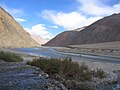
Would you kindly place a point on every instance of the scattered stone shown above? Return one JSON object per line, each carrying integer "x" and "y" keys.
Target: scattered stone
{"x": 17, "y": 76}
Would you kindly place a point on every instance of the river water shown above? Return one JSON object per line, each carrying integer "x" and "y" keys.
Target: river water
{"x": 50, "y": 52}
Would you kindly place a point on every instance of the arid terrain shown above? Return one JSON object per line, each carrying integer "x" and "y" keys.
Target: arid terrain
{"x": 107, "y": 45}
{"x": 35, "y": 75}
{"x": 111, "y": 49}
{"x": 12, "y": 34}
{"x": 20, "y": 76}
{"x": 100, "y": 39}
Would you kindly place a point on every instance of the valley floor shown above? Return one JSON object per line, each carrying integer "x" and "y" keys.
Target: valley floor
{"x": 110, "y": 49}
{"x": 15, "y": 75}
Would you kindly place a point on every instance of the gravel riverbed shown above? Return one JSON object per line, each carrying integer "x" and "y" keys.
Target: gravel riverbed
{"x": 18, "y": 76}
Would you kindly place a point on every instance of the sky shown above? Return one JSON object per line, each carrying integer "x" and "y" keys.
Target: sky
{"x": 47, "y": 18}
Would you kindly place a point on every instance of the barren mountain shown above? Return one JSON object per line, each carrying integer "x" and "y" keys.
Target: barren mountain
{"x": 63, "y": 39}
{"x": 12, "y": 34}
{"x": 104, "y": 30}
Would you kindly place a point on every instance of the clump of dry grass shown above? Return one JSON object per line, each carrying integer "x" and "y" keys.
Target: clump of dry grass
{"x": 9, "y": 57}
{"x": 67, "y": 69}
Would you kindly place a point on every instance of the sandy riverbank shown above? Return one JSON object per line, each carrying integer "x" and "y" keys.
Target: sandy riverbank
{"x": 91, "y": 51}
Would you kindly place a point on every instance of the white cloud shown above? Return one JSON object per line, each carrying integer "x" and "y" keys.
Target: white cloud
{"x": 40, "y": 30}
{"x": 98, "y": 7}
{"x": 54, "y": 26}
{"x": 20, "y": 19}
{"x": 88, "y": 12}
{"x": 70, "y": 20}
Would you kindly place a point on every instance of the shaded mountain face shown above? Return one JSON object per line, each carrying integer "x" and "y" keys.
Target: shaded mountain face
{"x": 63, "y": 39}
{"x": 104, "y": 30}
{"x": 12, "y": 34}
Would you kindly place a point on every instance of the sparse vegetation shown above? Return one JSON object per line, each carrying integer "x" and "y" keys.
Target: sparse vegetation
{"x": 100, "y": 74}
{"x": 69, "y": 72}
{"x": 67, "y": 69}
{"x": 10, "y": 57}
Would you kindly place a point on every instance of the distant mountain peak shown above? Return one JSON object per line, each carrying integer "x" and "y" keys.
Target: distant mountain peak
{"x": 38, "y": 39}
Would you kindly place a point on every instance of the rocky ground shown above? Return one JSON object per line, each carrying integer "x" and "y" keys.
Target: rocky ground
{"x": 19, "y": 76}
{"x": 109, "y": 68}
{"x": 112, "y": 69}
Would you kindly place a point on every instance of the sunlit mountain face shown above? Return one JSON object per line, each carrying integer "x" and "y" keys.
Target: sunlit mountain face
{"x": 12, "y": 35}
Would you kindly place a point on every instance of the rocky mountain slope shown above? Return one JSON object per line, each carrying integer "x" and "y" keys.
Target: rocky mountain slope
{"x": 63, "y": 39}
{"x": 104, "y": 30}
{"x": 12, "y": 34}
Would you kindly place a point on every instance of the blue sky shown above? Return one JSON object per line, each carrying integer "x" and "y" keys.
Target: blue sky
{"x": 48, "y": 18}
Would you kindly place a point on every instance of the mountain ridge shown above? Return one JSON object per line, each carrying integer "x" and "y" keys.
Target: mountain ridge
{"x": 106, "y": 29}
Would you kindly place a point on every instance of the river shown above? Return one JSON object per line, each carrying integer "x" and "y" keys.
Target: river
{"x": 50, "y": 52}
